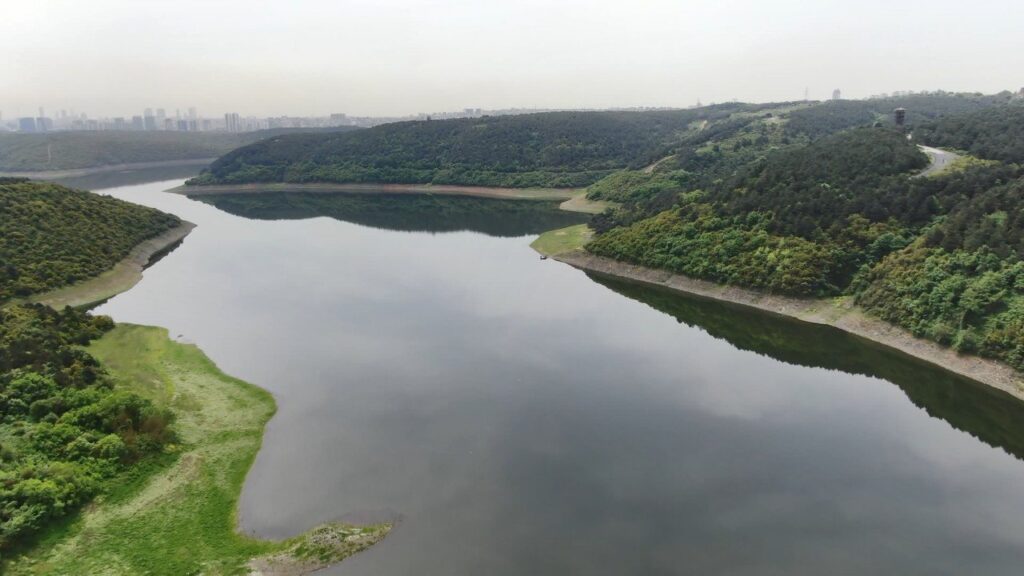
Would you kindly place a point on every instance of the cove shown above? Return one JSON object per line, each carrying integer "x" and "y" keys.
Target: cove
{"x": 520, "y": 417}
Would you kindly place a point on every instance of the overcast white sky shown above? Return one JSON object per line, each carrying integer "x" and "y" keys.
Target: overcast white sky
{"x": 392, "y": 57}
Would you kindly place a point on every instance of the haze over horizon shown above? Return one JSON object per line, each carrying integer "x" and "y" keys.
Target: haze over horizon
{"x": 391, "y": 58}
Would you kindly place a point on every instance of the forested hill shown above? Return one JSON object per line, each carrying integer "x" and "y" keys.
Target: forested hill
{"x": 74, "y": 150}
{"x": 822, "y": 212}
{"x": 555, "y": 149}
{"x": 833, "y": 116}
{"x": 566, "y": 149}
{"x": 994, "y": 134}
{"x": 52, "y": 236}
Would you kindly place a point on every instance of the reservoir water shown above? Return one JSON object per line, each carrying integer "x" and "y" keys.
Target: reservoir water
{"x": 521, "y": 417}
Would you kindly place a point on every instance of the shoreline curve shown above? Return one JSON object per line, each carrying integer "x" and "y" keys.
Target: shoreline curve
{"x": 838, "y": 313}
{"x": 121, "y": 277}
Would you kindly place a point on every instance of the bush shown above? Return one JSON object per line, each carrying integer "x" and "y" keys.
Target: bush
{"x": 69, "y": 429}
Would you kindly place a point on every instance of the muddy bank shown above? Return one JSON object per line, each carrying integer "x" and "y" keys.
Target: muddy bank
{"x": 840, "y": 313}
{"x": 75, "y": 173}
{"x": 121, "y": 277}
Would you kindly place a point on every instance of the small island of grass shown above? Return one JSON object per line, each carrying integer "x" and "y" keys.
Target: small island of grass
{"x": 555, "y": 242}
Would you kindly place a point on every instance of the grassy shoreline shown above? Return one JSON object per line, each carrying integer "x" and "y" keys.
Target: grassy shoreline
{"x": 555, "y": 242}
{"x": 180, "y": 515}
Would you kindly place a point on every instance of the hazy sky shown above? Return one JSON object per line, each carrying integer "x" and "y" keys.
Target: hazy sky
{"x": 391, "y": 57}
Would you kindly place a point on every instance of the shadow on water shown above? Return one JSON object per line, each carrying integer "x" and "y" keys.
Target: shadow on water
{"x": 990, "y": 415}
{"x": 404, "y": 212}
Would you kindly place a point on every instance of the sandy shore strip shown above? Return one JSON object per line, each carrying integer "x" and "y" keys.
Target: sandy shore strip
{"x": 76, "y": 172}
{"x": 840, "y": 313}
{"x": 121, "y": 277}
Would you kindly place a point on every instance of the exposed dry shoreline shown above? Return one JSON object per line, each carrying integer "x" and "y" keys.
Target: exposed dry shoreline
{"x": 121, "y": 277}
{"x": 76, "y": 172}
{"x": 839, "y": 313}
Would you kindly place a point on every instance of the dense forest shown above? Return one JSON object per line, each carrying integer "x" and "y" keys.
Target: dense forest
{"x": 833, "y": 116}
{"x": 73, "y": 150}
{"x": 993, "y": 134}
{"x": 828, "y": 202}
{"x": 555, "y": 149}
{"x": 52, "y": 236}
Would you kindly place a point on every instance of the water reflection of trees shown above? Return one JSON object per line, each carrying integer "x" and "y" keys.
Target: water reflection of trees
{"x": 403, "y": 212}
{"x": 987, "y": 414}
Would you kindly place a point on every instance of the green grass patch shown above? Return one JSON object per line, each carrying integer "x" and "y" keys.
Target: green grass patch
{"x": 563, "y": 240}
{"x": 966, "y": 162}
{"x": 178, "y": 514}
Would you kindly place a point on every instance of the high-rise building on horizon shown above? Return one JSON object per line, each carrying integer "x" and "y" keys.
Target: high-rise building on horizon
{"x": 837, "y": 94}
{"x": 231, "y": 122}
{"x": 148, "y": 120}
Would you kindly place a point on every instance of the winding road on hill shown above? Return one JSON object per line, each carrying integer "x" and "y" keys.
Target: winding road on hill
{"x": 941, "y": 160}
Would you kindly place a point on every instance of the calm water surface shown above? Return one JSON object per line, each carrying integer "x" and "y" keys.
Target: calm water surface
{"x": 521, "y": 417}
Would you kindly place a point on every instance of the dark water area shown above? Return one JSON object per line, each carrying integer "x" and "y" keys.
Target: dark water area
{"x": 988, "y": 414}
{"x": 522, "y": 417}
{"x": 404, "y": 212}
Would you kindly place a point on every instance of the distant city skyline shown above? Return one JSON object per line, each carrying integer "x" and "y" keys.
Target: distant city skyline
{"x": 392, "y": 58}
{"x": 158, "y": 119}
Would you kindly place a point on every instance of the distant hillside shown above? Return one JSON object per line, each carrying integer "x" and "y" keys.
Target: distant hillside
{"x": 555, "y": 149}
{"x": 74, "y": 150}
{"x": 993, "y": 134}
{"x": 52, "y": 236}
{"x": 833, "y": 116}
{"x": 569, "y": 149}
